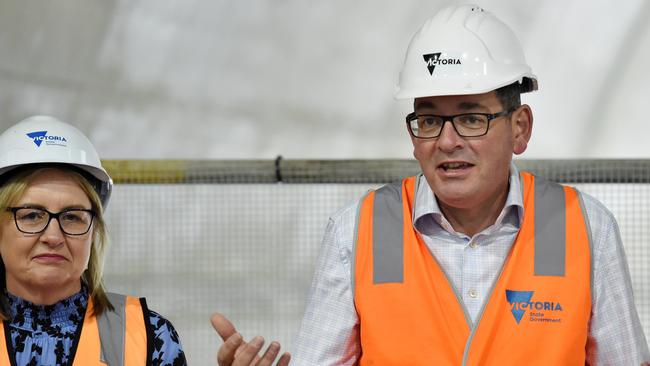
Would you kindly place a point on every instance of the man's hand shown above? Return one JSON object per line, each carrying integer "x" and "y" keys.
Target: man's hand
{"x": 236, "y": 352}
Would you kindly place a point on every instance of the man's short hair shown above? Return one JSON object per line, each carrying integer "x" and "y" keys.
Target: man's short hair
{"x": 510, "y": 95}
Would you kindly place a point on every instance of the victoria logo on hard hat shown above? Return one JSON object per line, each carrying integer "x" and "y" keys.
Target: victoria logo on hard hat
{"x": 433, "y": 59}
{"x": 539, "y": 311}
{"x": 38, "y": 137}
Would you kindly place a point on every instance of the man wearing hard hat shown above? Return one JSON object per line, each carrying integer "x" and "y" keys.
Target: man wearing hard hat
{"x": 472, "y": 262}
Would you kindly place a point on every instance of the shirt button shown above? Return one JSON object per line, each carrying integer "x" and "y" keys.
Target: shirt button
{"x": 473, "y": 294}
{"x": 473, "y": 245}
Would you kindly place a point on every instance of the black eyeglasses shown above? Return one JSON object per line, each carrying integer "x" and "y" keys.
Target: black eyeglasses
{"x": 31, "y": 220}
{"x": 429, "y": 126}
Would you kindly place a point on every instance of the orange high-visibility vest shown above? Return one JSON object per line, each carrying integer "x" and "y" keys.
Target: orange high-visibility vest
{"x": 115, "y": 338}
{"x": 538, "y": 310}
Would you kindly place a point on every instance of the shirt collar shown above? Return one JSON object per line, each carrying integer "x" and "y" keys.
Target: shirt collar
{"x": 426, "y": 205}
{"x": 30, "y": 316}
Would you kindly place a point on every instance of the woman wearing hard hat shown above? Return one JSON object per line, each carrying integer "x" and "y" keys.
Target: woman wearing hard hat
{"x": 54, "y": 308}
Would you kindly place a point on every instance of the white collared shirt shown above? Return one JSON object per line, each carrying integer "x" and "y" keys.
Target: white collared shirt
{"x": 329, "y": 333}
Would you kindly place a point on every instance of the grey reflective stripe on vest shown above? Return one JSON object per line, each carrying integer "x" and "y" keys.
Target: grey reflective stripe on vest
{"x": 550, "y": 228}
{"x": 112, "y": 328}
{"x": 589, "y": 238}
{"x": 388, "y": 235}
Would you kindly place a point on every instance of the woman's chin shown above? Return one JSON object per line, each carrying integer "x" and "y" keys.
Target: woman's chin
{"x": 55, "y": 283}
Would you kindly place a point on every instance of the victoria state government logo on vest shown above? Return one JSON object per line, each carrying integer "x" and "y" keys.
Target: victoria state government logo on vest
{"x": 522, "y": 302}
{"x": 38, "y": 137}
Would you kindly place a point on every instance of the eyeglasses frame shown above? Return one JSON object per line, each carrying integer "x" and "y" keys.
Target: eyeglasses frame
{"x": 490, "y": 116}
{"x": 52, "y": 215}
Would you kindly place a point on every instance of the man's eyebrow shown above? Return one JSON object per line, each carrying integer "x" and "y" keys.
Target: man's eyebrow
{"x": 425, "y": 104}
{"x": 469, "y": 105}
{"x": 465, "y": 106}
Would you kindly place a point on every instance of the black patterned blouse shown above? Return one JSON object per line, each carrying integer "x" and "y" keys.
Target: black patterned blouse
{"x": 43, "y": 335}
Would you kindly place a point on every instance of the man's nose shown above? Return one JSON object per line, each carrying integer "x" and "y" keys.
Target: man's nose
{"x": 449, "y": 139}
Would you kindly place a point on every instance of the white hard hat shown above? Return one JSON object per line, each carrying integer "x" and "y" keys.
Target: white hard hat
{"x": 46, "y": 140}
{"x": 463, "y": 50}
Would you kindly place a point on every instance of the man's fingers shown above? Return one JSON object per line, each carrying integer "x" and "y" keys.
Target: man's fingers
{"x": 226, "y": 353}
{"x": 284, "y": 359}
{"x": 222, "y": 325}
{"x": 236, "y": 352}
{"x": 270, "y": 354}
{"x": 247, "y": 355}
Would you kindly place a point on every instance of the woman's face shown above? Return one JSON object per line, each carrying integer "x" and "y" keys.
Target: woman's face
{"x": 49, "y": 264}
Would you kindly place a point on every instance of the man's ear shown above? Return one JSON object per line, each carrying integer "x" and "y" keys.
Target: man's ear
{"x": 522, "y": 128}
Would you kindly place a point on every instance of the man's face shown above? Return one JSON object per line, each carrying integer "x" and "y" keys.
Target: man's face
{"x": 467, "y": 172}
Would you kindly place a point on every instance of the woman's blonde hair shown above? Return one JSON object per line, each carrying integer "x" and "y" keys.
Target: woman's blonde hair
{"x": 12, "y": 189}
